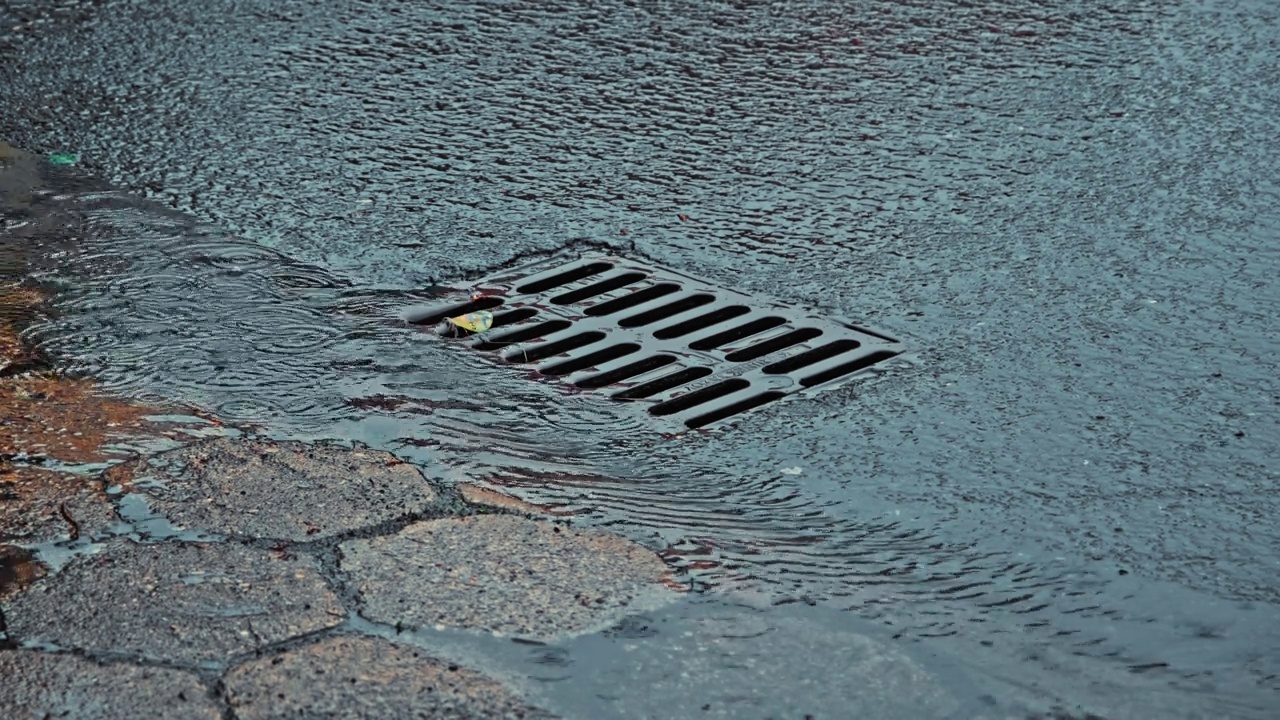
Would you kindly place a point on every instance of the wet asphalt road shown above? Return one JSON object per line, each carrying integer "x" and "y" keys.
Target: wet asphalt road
{"x": 1069, "y": 210}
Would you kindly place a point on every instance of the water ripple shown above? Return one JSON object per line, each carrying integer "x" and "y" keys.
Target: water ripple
{"x": 1073, "y": 214}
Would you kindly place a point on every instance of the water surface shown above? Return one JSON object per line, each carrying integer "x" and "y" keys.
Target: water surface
{"x": 1068, "y": 210}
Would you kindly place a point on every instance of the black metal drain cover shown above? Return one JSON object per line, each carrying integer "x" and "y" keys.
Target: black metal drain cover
{"x": 695, "y": 353}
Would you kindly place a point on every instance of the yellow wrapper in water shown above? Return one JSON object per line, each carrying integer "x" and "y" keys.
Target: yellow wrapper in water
{"x": 476, "y": 322}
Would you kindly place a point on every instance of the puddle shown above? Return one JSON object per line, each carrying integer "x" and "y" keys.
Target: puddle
{"x": 145, "y": 525}
{"x": 1071, "y": 484}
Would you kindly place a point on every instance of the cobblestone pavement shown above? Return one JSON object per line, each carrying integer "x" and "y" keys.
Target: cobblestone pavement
{"x": 296, "y": 539}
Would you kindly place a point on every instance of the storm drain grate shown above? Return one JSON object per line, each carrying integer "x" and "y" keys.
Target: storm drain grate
{"x": 695, "y": 353}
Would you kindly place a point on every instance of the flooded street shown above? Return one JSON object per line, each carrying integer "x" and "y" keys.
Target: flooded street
{"x": 1061, "y": 499}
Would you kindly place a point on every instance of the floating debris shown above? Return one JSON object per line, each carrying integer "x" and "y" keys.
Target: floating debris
{"x": 476, "y": 322}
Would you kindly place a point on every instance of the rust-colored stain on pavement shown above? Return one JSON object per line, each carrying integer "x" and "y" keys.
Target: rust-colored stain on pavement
{"x": 48, "y": 418}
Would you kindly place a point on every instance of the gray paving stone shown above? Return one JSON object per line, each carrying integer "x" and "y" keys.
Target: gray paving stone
{"x": 504, "y": 574}
{"x": 288, "y": 490}
{"x": 43, "y": 506}
{"x": 361, "y": 677}
{"x": 43, "y": 685}
{"x": 182, "y": 603}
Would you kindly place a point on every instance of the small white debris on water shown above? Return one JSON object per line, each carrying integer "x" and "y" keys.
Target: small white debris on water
{"x": 792, "y": 470}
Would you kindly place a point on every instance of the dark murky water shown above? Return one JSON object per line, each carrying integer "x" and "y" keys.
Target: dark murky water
{"x": 1069, "y": 209}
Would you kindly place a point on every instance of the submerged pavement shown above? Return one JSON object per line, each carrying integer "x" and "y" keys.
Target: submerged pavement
{"x": 271, "y": 579}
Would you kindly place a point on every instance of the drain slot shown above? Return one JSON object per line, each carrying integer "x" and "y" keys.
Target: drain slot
{"x": 666, "y": 311}
{"x": 435, "y": 315}
{"x": 698, "y": 397}
{"x": 636, "y": 298}
{"x": 852, "y": 366}
{"x": 600, "y": 288}
{"x": 809, "y": 357}
{"x": 786, "y": 340}
{"x": 524, "y": 334}
{"x": 754, "y": 327}
{"x": 564, "y": 278}
{"x": 638, "y": 367}
{"x": 730, "y": 410}
{"x": 512, "y": 317}
{"x": 546, "y": 350}
{"x": 591, "y": 359}
{"x": 663, "y": 384}
{"x": 701, "y": 322}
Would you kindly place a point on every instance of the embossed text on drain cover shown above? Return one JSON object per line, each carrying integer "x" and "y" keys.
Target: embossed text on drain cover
{"x": 693, "y": 353}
